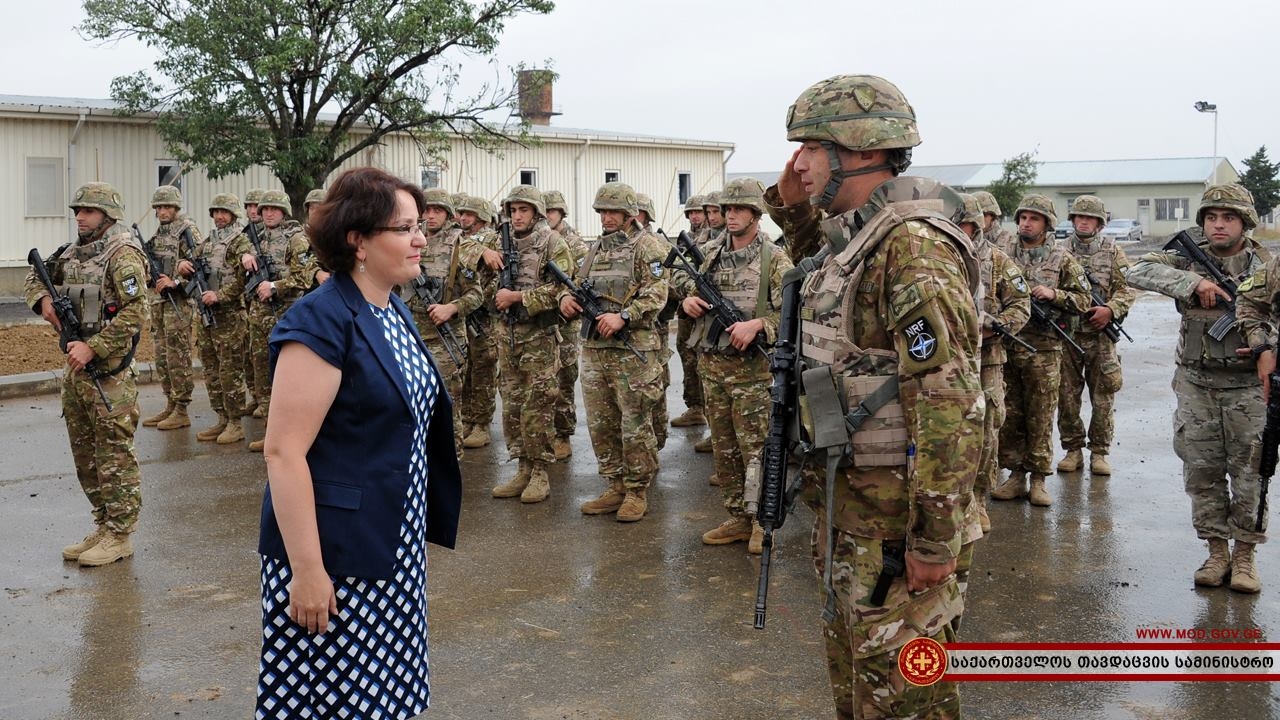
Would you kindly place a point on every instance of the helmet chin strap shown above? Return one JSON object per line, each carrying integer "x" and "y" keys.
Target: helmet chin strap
{"x": 839, "y": 175}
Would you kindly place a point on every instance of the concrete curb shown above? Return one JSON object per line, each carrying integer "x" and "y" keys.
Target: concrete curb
{"x": 47, "y": 382}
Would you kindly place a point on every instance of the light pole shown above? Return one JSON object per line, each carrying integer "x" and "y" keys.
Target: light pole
{"x": 1208, "y": 107}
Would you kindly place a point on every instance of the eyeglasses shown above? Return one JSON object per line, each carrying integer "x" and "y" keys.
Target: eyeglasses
{"x": 402, "y": 229}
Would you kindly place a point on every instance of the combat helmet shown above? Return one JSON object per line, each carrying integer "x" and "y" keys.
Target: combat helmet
{"x": 970, "y": 210}
{"x": 276, "y": 199}
{"x": 693, "y": 203}
{"x": 645, "y": 203}
{"x": 1088, "y": 206}
{"x": 456, "y": 200}
{"x": 1231, "y": 196}
{"x": 477, "y": 205}
{"x": 313, "y": 197}
{"x": 617, "y": 196}
{"x": 439, "y": 197}
{"x": 745, "y": 192}
{"x": 554, "y": 200}
{"x": 988, "y": 203}
{"x": 527, "y": 194}
{"x": 167, "y": 196}
{"x": 1037, "y": 203}
{"x": 253, "y": 197}
{"x": 711, "y": 200}
{"x": 100, "y": 196}
{"x": 228, "y": 202}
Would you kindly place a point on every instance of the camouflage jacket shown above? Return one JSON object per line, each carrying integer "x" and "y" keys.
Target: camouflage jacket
{"x": 1007, "y": 299}
{"x": 222, "y": 250}
{"x": 453, "y": 259}
{"x": 1051, "y": 265}
{"x": 1257, "y": 304}
{"x": 1105, "y": 266}
{"x": 902, "y": 308}
{"x": 577, "y": 246}
{"x": 539, "y": 312}
{"x": 168, "y": 248}
{"x": 627, "y": 272}
{"x": 1003, "y": 238}
{"x": 289, "y": 247}
{"x": 1208, "y": 362}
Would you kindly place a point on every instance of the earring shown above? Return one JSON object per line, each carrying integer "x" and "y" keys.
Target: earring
{"x": 361, "y": 266}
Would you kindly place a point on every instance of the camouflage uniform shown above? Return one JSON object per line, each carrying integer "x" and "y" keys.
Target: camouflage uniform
{"x": 105, "y": 276}
{"x": 480, "y": 384}
{"x": 1220, "y": 409}
{"x": 865, "y": 327}
{"x": 998, "y": 236}
{"x": 566, "y": 415}
{"x": 171, "y": 319}
{"x": 452, "y": 263}
{"x": 661, "y": 323}
{"x": 620, "y": 390}
{"x": 1105, "y": 266}
{"x": 222, "y": 344}
{"x": 1031, "y": 379}
{"x": 691, "y": 391}
{"x": 253, "y": 197}
{"x": 709, "y": 234}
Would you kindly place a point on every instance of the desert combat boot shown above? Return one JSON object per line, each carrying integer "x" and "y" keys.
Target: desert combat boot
{"x": 634, "y": 505}
{"x": 177, "y": 419}
{"x": 516, "y": 485}
{"x": 1072, "y": 461}
{"x": 1215, "y": 569}
{"x": 1038, "y": 495}
{"x": 730, "y": 531}
{"x": 1244, "y": 575}
{"x": 112, "y": 547}
{"x": 693, "y": 417}
{"x": 232, "y": 433}
{"x": 477, "y": 438}
{"x": 1098, "y": 464}
{"x": 159, "y": 417}
{"x": 1012, "y": 488}
{"x": 210, "y": 434}
{"x": 538, "y": 487}
{"x": 74, "y": 551}
{"x": 608, "y": 502}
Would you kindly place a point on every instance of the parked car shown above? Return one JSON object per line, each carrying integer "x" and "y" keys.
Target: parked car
{"x": 1063, "y": 229}
{"x": 1123, "y": 230}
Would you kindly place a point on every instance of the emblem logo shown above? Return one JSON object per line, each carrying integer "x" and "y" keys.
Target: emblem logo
{"x": 1019, "y": 284}
{"x": 131, "y": 286}
{"x": 655, "y": 267}
{"x": 922, "y": 661}
{"x": 921, "y": 340}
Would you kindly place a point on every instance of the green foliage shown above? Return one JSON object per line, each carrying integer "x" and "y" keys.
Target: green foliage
{"x": 1262, "y": 178}
{"x": 1019, "y": 173}
{"x": 244, "y": 82}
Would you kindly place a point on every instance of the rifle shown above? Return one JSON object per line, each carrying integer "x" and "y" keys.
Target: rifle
{"x": 266, "y": 271}
{"x": 587, "y": 298}
{"x": 66, "y": 312}
{"x": 1185, "y": 245}
{"x": 724, "y": 313}
{"x": 1040, "y": 314}
{"x": 507, "y": 276}
{"x": 689, "y": 248}
{"x": 153, "y": 267}
{"x": 199, "y": 282}
{"x": 1270, "y": 445}
{"x": 773, "y": 504}
{"x": 1003, "y": 332}
{"x": 1113, "y": 330}
{"x": 429, "y": 290}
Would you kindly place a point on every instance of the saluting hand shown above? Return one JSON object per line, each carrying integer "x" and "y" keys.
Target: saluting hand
{"x": 790, "y": 188}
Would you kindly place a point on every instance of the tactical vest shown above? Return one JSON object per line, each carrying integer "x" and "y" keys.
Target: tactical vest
{"x": 1098, "y": 260}
{"x": 165, "y": 245}
{"x": 987, "y": 297}
{"x": 215, "y": 252}
{"x": 535, "y": 251}
{"x": 439, "y": 262}
{"x": 1195, "y": 347}
{"x": 1046, "y": 271}
{"x": 81, "y": 275}
{"x": 610, "y": 268}
{"x": 275, "y": 242}
{"x": 738, "y": 275}
{"x": 832, "y": 363}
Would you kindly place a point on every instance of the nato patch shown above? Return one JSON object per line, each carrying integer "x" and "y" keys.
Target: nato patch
{"x": 131, "y": 286}
{"x": 1020, "y": 285}
{"x": 655, "y": 267}
{"x": 922, "y": 342}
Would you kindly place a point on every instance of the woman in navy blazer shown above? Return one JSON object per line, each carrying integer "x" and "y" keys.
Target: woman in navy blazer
{"x": 361, "y": 470}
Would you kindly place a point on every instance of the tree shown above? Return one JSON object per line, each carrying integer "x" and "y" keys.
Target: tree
{"x": 1018, "y": 174}
{"x": 1261, "y": 178}
{"x": 244, "y": 82}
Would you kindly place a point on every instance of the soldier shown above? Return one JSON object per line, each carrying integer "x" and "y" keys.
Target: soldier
{"x": 1059, "y": 289}
{"x": 171, "y": 311}
{"x": 529, "y": 346}
{"x": 691, "y": 392}
{"x": 619, "y": 390}
{"x": 251, "y": 200}
{"x": 317, "y": 272}
{"x": 480, "y": 385}
{"x": 1105, "y": 266}
{"x": 566, "y": 416}
{"x": 104, "y": 274}
{"x": 996, "y": 234}
{"x": 287, "y": 244}
{"x": 1006, "y": 304}
{"x": 450, "y": 269}
{"x": 694, "y": 213}
{"x": 1219, "y": 411}
{"x": 222, "y": 343}
{"x": 747, "y": 268}
{"x": 869, "y": 338}
{"x": 662, "y": 323}
{"x": 714, "y": 229}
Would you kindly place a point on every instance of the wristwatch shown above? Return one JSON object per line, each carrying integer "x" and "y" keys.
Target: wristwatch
{"x": 626, "y": 318}
{"x": 1257, "y": 350}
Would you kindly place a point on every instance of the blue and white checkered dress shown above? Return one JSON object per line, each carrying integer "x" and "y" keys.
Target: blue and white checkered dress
{"x": 372, "y": 662}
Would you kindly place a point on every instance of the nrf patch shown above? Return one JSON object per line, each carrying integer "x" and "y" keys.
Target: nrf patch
{"x": 922, "y": 342}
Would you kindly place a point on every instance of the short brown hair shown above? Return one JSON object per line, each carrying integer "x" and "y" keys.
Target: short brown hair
{"x": 360, "y": 200}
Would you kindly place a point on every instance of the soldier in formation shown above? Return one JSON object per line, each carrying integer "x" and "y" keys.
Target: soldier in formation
{"x": 254, "y": 218}
{"x": 566, "y": 415}
{"x": 995, "y": 233}
{"x": 691, "y": 384}
{"x": 171, "y": 311}
{"x": 1219, "y": 407}
{"x": 104, "y": 275}
{"x": 480, "y": 385}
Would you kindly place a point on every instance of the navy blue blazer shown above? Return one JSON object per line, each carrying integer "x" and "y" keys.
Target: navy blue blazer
{"x": 360, "y": 458}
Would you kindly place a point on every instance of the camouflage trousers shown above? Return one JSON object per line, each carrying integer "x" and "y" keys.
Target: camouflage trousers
{"x": 529, "y": 392}
{"x": 863, "y": 641}
{"x": 692, "y": 393}
{"x": 102, "y": 445}
{"x": 246, "y": 357}
{"x": 453, "y": 374}
{"x": 619, "y": 393}
{"x": 736, "y": 395}
{"x": 1031, "y": 399}
{"x": 1215, "y": 433}
{"x": 988, "y": 464}
{"x": 261, "y": 321}
{"x": 1099, "y": 370}
{"x": 480, "y": 382}
{"x": 171, "y": 336}
{"x": 566, "y": 417}
{"x": 660, "y": 415}
{"x": 222, "y": 355}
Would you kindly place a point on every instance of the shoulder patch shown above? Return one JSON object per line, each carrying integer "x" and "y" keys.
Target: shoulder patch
{"x": 1257, "y": 279}
{"x": 1019, "y": 283}
{"x": 655, "y": 267}
{"x": 921, "y": 340}
{"x": 131, "y": 286}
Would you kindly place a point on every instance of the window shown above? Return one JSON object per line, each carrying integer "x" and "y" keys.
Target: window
{"x": 45, "y": 196}
{"x": 529, "y": 177}
{"x": 1172, "y": 208}
{"x": 684, "y": 182}
{"x": 169, "y": 172}
{"x": 612, "y": 175}
{"x": 429, "y": 176}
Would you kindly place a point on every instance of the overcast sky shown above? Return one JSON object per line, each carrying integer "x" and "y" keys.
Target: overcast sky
{"x": 1082, "y": 80}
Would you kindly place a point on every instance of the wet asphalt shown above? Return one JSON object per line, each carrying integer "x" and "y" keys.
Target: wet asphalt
{"x": 545, "y": 614}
